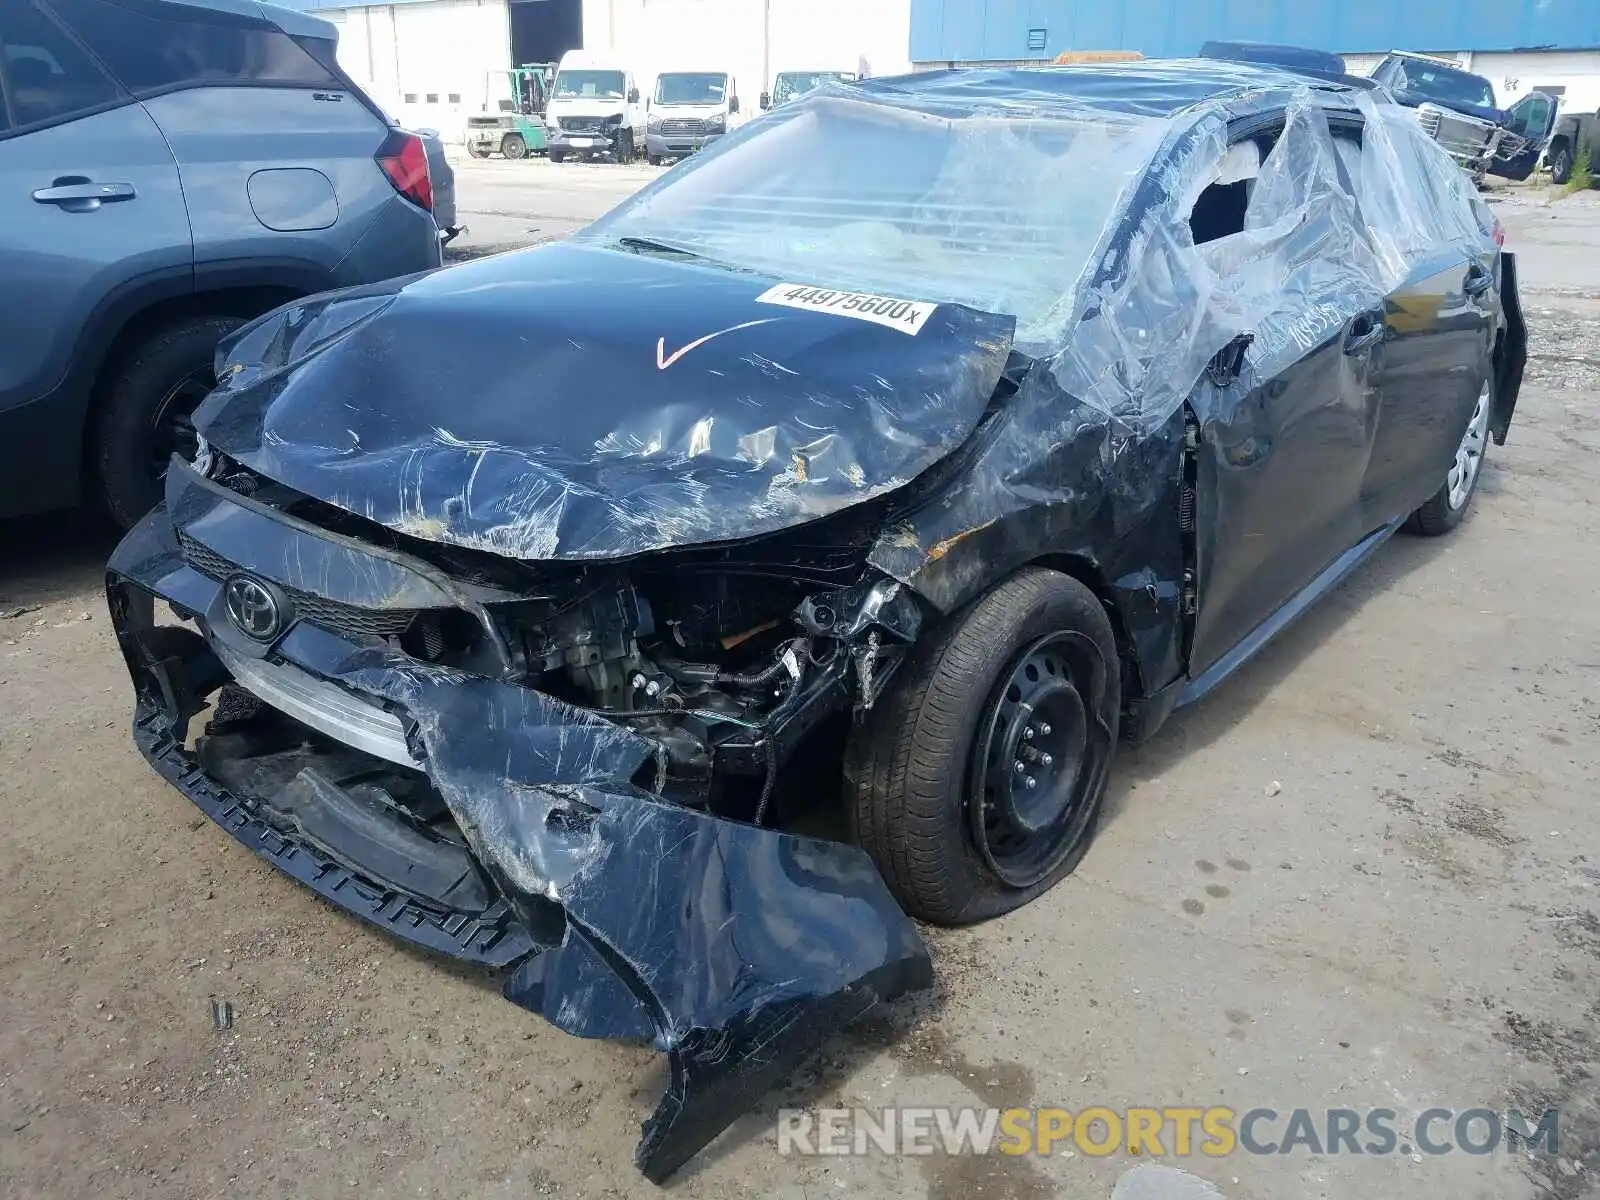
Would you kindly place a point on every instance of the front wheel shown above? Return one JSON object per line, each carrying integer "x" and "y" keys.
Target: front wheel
{"x": 1561, "y": 163}
{"x": 976, "y": 782}
{"x": 624, "y": 152}
{"x": 557, "y": 156}
{"x": 1444, "y": 509}
{"x": 474, "y": 150}
{"x": 512, "y": 146}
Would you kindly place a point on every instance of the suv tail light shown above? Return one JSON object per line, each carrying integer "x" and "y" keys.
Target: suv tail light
{"x": 404, "y": 160}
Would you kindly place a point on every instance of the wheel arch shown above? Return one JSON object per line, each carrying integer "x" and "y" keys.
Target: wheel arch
{"x": 244, "y": 291}
{"x": 1089, "y": 573}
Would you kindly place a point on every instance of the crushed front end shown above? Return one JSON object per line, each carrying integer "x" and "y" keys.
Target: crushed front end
{"x": 567, "y": 772}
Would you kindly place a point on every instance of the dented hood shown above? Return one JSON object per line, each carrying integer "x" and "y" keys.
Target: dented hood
{"x": 581, "y": 402}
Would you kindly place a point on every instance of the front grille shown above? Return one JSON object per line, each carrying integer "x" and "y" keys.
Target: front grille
{"x": 685, "y": 127}
{"x": 331, "y": 615}
{"x": 583, "y": 124}
{"x": 483, "y": 122}
{"x": 1428, "y": 118}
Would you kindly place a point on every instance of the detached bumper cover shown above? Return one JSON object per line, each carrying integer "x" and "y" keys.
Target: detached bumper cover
{"x": 737, "y": 950}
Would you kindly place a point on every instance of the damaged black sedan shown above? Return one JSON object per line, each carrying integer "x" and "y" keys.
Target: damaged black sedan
{"x": 670, "y": 616}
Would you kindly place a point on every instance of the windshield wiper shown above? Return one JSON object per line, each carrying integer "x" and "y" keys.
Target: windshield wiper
{"x": 653, "y": 247}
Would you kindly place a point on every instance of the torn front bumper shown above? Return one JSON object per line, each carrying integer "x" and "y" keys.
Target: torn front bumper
{"x": 736, "y": 949}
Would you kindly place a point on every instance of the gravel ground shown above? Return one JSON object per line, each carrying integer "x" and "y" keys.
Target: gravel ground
{"x": 1364, "y": 873}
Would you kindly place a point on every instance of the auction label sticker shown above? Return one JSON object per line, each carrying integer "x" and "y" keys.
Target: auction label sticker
{"x": 908, "y": 316}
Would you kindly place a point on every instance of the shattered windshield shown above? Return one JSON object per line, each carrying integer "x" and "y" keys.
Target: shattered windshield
{"x": 589, "y": 85}
{"x": 700, "y": 87}
{"x": 998, "y": 211}
{"x": 791, "y": 84}
{"x": 1445, "y": 85}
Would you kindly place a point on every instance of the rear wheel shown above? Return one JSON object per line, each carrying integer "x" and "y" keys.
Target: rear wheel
{"x": 1561, "y": 163}
{"x": 1445, "y": 508}
{"x": 146, "y": 412}
{"x": 512, "y": 146}
{"x": 976, "y": 782}
{"x": 477, "y": 151}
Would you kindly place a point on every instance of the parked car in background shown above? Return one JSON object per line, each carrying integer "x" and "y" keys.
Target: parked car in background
{"x": 595, "y": 109}
{"x": 1574, "y": 133}
{"x": 790, "y": 85}
{"x": 688, "y": 110}
{"x": 170, "y": 169}
{"x": 1454, "y": 107}
{"x": 913, "y": 447}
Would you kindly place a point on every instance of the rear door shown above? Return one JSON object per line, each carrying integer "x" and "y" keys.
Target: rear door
{"x": 275, "y": 149}
{"x": 90, "y": 207}
{"x": 1529, "y": 124}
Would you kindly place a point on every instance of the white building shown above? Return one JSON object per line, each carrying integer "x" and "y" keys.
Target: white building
{"x": 428, "y": 61}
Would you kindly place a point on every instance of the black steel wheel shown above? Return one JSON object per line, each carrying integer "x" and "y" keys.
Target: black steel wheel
{"x": 474, "y": 150}
{"x": 1041, "y": 752}
{"x": 976, "y": 780}
{"x": 512, "y": 146}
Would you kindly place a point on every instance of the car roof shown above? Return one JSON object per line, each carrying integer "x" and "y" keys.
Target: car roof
{"x": 1153, "y": 87}
{"x": 1443, "y": 64}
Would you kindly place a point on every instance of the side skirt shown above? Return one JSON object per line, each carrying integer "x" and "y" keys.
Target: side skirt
{"x": 1330, "y": 577}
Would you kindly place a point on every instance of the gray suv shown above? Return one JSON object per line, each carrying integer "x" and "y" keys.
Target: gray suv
{"x": 170, "y": 169}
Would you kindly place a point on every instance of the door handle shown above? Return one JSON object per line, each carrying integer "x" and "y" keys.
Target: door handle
{"x": 1479, "y": 280}
{"x": 1366, "y": 331}
{"x": 73, "y": 193}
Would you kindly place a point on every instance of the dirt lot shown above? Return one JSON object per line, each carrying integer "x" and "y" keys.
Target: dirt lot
{"x": 1364, "y": 873}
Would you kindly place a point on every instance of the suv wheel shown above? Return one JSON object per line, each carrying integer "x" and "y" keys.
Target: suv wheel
{"x": 146, "y": 404}
{"x": 1561, "y": 163}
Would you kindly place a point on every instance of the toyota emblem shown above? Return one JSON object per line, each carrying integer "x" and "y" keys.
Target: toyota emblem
{"x": 253, "y": 608}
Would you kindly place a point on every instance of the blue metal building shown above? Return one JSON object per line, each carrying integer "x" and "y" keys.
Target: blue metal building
{"x": 1007, "y": 30}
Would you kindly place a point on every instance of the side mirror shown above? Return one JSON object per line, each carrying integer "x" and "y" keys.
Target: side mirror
{"x": 766, "y": 100}
{"x": 633, "y": 95}
{"x": 647, "y": 104}
{"x": 733, "y": 104}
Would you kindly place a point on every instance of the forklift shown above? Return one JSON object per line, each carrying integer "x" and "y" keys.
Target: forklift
{"x": 512, "y": 121}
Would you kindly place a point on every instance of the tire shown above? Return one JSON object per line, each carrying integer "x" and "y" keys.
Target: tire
{"x": 144, "y": 404}
{"x": 1444, "y": 510}
{"x": 512, "y": 146}
{"x": 1561, "y": 163}
{"x": 653, "y": 159}
{"x": 557, "y": 156}
{"x": 476, "y": 151}
{"x": 625, "y": 152}
{"x": 916, "y": 764}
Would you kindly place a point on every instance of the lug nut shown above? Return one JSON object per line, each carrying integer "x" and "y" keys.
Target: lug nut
{"x": 1030, "y": 783}
{"x": 1044, "y": 729}
{"x": 1046, "y": 759}
{"x": 1027, "y": 733}
{"x": 1020, "y": 768}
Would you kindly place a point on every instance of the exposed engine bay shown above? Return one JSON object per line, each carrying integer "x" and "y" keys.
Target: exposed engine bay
{"x": 725, "y": 657}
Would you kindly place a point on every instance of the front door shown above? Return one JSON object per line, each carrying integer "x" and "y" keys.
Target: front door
{"x": 1280, "y": 463}
{"x": 90, "y": 205}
